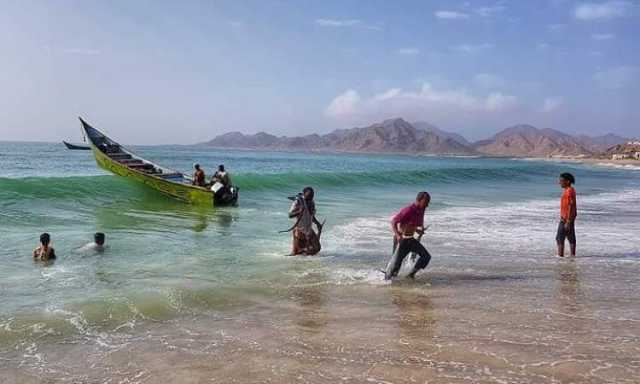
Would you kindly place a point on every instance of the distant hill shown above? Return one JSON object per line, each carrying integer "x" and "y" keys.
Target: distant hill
{"x": 399, "y": 136}
{"x": 629, "y": 147}
{"x": 389, "y": 136}
{"x": 601, "y": 143}
{"x": 431, "y": 128}
{"x": 529, "y": 141}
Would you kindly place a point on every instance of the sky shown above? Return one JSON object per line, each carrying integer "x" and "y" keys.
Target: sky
{"x": 160, "y": 72}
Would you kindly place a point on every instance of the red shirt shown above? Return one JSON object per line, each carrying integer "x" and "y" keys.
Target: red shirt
{"x": 411, "y": 215}
{"x": 568, "y": 198}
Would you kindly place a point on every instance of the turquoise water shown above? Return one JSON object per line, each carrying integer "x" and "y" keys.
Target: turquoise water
{"x": 158, "y": 245}
{"x": 167, "y": 260}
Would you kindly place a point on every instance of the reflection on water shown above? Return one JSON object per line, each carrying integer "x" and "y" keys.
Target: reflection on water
{"x": 158, "y": 213}
{"x": 416, "y": 313}
{"x": 568, "y": 293}
{"x": 311, "y": 296}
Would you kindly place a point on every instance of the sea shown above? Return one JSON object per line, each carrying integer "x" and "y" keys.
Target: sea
{"x": 188, "y": 294}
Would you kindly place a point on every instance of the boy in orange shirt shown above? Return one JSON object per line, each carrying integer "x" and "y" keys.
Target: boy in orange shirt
{"x": 568, "y": 213}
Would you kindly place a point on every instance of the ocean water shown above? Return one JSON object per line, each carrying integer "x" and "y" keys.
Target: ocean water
{"x": 190, "y": 294}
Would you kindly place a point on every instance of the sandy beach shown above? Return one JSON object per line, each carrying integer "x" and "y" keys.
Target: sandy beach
{"x": 569, "y": 321}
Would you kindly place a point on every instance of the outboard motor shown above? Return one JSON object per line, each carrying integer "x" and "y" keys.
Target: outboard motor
{"x": 223, "y": 195}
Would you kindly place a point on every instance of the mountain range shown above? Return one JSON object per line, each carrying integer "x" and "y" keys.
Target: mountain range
{"x": 399, "y": 136}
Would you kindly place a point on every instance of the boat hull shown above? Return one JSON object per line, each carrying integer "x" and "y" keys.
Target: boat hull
{"x": 178, "y": 191}
{"x": 183, "y": 192}
{"x": 76, "y": 147}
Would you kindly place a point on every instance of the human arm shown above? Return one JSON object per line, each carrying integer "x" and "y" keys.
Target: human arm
{"x": 396, "y": 226}
{"x": 296, "y": 209}
{"x": 420, "y": 223}
{"x": 318, "y": 224}
{"x": 573, "y": 212}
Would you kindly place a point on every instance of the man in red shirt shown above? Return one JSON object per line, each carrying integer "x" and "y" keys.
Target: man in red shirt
{"x": 568, "y": 213}
{"x": 405, "y": 224}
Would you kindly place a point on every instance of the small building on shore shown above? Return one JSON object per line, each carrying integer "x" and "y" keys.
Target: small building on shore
{"x": 620, "y": 156}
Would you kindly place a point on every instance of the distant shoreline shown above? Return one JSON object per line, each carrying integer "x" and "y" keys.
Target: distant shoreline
{"x": 625, "y": 163}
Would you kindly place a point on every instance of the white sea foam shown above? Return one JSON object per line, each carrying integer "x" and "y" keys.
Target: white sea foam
{"x": 620, "y": 166}
{"x": 348, "y": 276}
{"x": 518, "y": 230}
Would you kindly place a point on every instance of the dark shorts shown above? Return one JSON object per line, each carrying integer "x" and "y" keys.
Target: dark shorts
{"x": 563, "y": 234}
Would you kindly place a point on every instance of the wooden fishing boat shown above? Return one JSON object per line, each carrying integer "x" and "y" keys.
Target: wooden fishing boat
{"x": 76, "y": 146}
{"x": 113, "y": 157}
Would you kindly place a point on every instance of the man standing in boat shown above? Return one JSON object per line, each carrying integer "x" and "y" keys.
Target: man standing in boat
{"x": 305, "y": 240}
{"x": 198, "y": 176}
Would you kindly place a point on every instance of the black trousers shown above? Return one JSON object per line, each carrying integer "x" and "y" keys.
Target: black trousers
{"x": 563, "y": 234}
{"x": 400, "y": 251}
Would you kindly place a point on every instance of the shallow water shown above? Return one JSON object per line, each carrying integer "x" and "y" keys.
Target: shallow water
{"x": 186, "y": 294}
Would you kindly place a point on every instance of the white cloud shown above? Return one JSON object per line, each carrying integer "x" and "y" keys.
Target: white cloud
{"x": 472, "y": 48}
{"x": 345, "y": 104}
{"x": 237, "y": 24}
{"x": 490, "y": 11}
{"x": 387, "y": 95}
{"x": 346, "y": 23}
{"x": 396, "y": 101}
{"x": 81, "y": 51}
{"x": 617, "y": 77}
{"x": 552, "y": 103}
{"x": 451, "y": 15}
{"x": 338, "y": 23}
{"x": 602, "y": 36}
{"x": 556, "y": 27}
{"x": 408, "y": 51}
{"x": 497, "y": 101}
{"x": 489, "y": 80}
{"x": 602, "y": 11}
{"x": 542, "y": 46}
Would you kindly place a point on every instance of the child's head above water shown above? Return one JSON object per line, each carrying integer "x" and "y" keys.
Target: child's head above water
{"x": 45, "y": 239}
{"x": 99, "y": 238}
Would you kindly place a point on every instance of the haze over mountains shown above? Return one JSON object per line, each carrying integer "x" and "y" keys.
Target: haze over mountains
{"x": 399, "y": 136}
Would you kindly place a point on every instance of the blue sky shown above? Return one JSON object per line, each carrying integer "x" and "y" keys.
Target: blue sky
{"x": 182, "y": 72}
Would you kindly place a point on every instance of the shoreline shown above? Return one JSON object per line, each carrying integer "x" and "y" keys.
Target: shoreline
{"x": 608, "y": 163}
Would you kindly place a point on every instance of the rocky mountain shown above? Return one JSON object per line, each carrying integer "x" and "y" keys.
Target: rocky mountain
{"x": 432, "y": 128}
{"x": 629, "y": 147}
{"x": 399, "y": 136}
{"x": 390, "y": 136}
{"x": 529, "y": 141}
{"x": 601, "y": 143}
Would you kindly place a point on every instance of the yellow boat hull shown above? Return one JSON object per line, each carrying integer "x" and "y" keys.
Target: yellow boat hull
{"x": 184, "y": 192}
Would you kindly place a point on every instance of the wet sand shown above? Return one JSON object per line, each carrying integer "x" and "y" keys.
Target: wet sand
{"x": 564, "y": 321}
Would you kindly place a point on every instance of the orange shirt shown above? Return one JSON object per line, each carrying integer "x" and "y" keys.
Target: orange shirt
{"x": 568, "y": 197}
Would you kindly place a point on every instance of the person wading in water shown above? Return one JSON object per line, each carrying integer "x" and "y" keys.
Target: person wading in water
{"x": 44, "y": 252}
{"x": 405, "y": 224}
{"x": 568, "y": 213}
{"x": 305, "y": 240}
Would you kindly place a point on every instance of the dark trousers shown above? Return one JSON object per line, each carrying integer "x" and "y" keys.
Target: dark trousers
{"x": 563, "y": 234}
{"x": 400, "y": 251}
